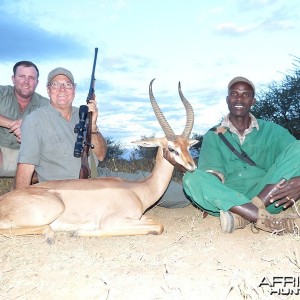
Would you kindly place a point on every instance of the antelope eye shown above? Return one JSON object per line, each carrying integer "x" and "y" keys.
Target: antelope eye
{"x": 173, "y": 151}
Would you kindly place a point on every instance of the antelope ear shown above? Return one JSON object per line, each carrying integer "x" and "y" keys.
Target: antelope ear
{"x": 193, "y": 142}
{"x": 147, "y": 143}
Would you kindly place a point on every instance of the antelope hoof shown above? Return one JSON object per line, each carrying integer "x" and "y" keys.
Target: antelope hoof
{"x": 74, "y": 233}
{"x": 50, "y": 240}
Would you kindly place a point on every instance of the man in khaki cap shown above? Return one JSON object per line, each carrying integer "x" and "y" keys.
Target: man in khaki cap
{"x": 48, "y": 136}
{"x": 49, "y": 140}
{"x": 248, "y": 169}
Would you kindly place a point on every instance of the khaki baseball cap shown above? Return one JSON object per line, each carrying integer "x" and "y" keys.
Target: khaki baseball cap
{"x": 60, "y": 71}
{"x": 240, "y": 79}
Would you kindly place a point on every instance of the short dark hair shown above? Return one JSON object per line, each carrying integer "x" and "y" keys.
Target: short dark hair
{"x": 25, "y": 63}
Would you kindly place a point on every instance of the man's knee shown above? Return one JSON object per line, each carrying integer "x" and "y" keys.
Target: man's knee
{"x": 294, "y": 148}
{"x": 187, "y": 178}
{"x": 8, "y": 166}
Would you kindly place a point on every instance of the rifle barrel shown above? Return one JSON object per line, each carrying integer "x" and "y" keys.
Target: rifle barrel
{"x": 93, "y": 79}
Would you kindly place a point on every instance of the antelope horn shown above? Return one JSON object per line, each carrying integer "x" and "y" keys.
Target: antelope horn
{"x": 170, "y": 135}
{"x": 189, "y": 114}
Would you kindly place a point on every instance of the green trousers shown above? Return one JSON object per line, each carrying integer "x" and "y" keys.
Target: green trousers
{"x": 208, "y": 193}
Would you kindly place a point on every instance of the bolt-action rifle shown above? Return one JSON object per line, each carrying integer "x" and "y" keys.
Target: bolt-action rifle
{"x": 83, "y": 129}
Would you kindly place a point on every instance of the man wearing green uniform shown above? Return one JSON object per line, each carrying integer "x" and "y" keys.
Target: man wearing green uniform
{"x": 256, "y": 189}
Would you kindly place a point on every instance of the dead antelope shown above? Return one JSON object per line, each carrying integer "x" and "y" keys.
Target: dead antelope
{"x": 101, "y": 206}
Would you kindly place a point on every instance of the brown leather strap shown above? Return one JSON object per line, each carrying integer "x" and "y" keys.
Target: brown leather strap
{"x": 242, "y": 156}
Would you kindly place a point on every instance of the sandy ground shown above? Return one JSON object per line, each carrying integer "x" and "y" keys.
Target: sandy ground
{"x": 192, "y": 259}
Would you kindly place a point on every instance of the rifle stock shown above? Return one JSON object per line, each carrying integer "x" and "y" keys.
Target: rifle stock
{"x": 86, "y": 133}
{"x": 85, "y": 170}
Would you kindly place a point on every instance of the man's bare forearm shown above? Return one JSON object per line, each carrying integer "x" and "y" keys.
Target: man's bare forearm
{"x": 24, "y": 175}
{"x": 5, "y": 121}
{"x": 100, "y": 145}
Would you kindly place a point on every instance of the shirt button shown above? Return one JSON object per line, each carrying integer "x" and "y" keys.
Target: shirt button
{"x": 239, "y": 174}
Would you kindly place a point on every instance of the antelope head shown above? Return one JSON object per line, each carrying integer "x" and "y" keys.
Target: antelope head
{"x": 176, "y": 147}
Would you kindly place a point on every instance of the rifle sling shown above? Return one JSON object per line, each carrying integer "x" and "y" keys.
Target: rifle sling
{"x": 242, "y": 156}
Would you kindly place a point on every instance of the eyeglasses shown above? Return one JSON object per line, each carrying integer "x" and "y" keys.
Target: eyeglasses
{"x": 57, "y": 85}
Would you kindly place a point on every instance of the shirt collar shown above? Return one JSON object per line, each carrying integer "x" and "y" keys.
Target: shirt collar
{"x": 227, "y": 123}
{"x": 253, "y": 124}
{"x": 55, "y": 111}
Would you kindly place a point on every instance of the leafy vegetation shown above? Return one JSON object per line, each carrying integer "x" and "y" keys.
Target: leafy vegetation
{"x": 279, "y": 102}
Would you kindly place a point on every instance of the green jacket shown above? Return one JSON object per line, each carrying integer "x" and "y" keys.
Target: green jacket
{"x": 263, "y": 146}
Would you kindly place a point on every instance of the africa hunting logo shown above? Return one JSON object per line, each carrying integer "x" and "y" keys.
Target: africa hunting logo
{"x": 281, "y": 285}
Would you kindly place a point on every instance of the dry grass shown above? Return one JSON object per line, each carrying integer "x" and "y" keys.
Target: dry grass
{"x": 6, "y": 185}
{"x": 192, "y": 259}
{"x": 120, "y": 165}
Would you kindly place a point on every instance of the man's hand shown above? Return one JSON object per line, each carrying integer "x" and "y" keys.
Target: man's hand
{"x": 92, "y": 105}
{"x": 15, "y": 128}
{"x": 288, "y": 193}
